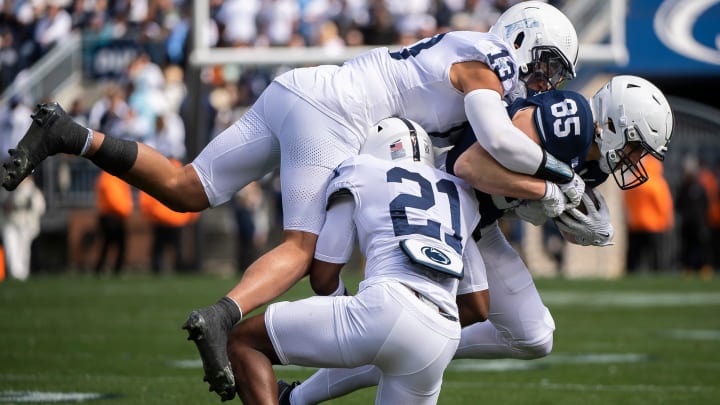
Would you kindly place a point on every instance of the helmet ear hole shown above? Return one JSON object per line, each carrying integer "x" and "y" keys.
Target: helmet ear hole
{"x": 611, "y": 125}
{"x": 519, "y": 40}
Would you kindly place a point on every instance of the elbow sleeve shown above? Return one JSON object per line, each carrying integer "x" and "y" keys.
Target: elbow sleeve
{"x": 337, "y": 238}
{"x": 497, "y": 135}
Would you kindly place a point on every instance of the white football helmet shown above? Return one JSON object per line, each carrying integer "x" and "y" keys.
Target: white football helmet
{"x": 399, "y": 139}
{"x": 544, "y": 40}
{"x": 630, "y": 109}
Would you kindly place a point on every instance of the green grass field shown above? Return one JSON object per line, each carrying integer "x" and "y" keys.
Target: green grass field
{"x": 643, "y": 340}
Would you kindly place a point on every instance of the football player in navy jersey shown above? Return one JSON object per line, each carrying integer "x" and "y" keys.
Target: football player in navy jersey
{"x": 633, "y": 118}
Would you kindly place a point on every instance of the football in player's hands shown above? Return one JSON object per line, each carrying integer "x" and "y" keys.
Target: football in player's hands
{"x": 582, "y": 208}
{"x": 585, "y": 226}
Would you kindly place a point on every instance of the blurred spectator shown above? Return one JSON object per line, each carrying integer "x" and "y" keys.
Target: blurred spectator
{"x": 114, "y": 205}
{"x": 9, "y": 58}
{"x": 54, "y": 25}
{"x": 167, "y": 227}
{"x": 237, "y": 22}
{"x": 175, "y": 90}
{"x": 20, "y": 219}
{"x": 709, "y": 180}
{"x": 17, "y": 43}
{"x": 484, "y": 13}
{"x": 147, "y": 98}
{"x": 178, "y": 41}
{"x": 169, "y": 135}
{"x": 381, "y": 29}
{"x": 279, "y": 21}
{"x": 251, "y": 219}
{"x": 108, "y": 114}
{"x": 82, "y": 13}
{"x": 78, "y": 112}
{"x": 14, "y": 122}
{"x": 691, "y": 205}
{"x": 313, "y": 14}
{"x": 650, "y": 217}
{"x": 330, "y": 38}
{"x": 410, "y": 16}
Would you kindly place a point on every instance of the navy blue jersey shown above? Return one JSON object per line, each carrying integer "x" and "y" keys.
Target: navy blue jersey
{"x": 564, "y": 122}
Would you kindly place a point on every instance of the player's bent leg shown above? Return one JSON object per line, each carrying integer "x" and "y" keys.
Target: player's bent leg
{"x": 52, "y": 131}
{"x": 537, "y": 349}
{"x": 266, "y": 279}
{"x": 385, "y": 324}
{"x": 421, "y": 387}
{"x": 520, "y": 325}
{"x": 485, "y": 341}
{"x": 329, "y": 383}
{"x": 252, "y": 355}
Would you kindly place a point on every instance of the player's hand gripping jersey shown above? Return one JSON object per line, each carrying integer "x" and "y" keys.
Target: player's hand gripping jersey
{"x": 412, "y": 82}
{"x": 422, "y": 205}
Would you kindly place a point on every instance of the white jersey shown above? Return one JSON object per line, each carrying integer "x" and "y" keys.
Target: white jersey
{"x": 413, "y": 82}
{"x": 417, "y": 202}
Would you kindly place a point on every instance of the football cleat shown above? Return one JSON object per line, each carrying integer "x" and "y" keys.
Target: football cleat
{"x": 211, "y": 341}
{"x": 52, "y": 131}
{"x": 284, "y": 390}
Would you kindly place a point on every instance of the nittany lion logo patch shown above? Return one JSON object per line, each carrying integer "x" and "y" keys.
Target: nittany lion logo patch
{"x": 435, "y": 255}
{"x": 438, "y": 257}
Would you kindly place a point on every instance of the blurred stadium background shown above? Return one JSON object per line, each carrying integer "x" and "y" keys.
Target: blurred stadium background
{"x": 198, "y": 65}
{"x": 154, "y": 51}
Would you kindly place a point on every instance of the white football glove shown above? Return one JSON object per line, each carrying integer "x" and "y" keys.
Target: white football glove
{"x": 531, "y": 211}
{"x": 574, "y": 191}
{"x": 593, "y": 228}
{"x": 561, "y": 197}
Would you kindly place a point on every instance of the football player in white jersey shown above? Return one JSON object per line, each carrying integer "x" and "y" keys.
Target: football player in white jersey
{"x": 633, "y": 118}
{"x": 309, "y": 120}
{"x": 412, "y": 223}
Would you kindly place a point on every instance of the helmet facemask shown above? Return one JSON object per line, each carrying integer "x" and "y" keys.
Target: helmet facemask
{"x": 548, "y": 69}
{"x": 625, "y": 163}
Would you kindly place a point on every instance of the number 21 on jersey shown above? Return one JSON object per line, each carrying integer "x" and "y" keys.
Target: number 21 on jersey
{"x": 444, "y": 256}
